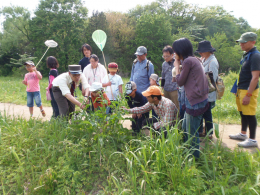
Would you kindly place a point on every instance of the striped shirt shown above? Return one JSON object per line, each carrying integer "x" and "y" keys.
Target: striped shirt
{"x": 166, "y": 110}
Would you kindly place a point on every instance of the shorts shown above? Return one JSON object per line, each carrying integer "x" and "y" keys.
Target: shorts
{"x": 249, "y": 109}
{"x": 34, "y": 96}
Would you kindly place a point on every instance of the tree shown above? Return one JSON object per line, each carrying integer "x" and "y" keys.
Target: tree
{"x": 63, "y": 21}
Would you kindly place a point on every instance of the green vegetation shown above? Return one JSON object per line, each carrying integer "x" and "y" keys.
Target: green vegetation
{"x": 93, "y": 155}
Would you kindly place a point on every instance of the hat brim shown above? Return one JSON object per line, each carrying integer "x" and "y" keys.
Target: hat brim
{"x": 205, "y": 50}
{"x": 28, "y": 64}
{"x": 241, "y": 41}
{"x": 75, "y": 72}
{"x": 92, "y": 89}
{"x": 127, "y": 92}
{"x": 146, "y": 94}
{"x": 139, "y": 53}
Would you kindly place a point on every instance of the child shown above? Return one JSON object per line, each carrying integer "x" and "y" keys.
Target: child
{"x": 135, "y": 99}
{"x": 98, "y": 96}
{"x": 115, "y": 81}
{"x": 31, "y": 80}
{"x": 53, "y": 64}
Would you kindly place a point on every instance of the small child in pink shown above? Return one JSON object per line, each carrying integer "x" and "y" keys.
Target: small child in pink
{"x": 31, "y": 80}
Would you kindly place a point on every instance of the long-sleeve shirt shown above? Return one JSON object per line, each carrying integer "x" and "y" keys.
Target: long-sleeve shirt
{"x": 166, "y": 110}
{"x": 100, "y": 101}
{"x": 167, "y": 76}
{"x": 84, "y": 62}
{"x": 140, "y": 75}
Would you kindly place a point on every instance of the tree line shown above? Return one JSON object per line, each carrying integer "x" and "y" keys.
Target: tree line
{"x": 154, "y": 25}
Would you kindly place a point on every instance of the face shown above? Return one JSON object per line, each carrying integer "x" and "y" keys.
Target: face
{"x": 176, "y": 57}
{"x": 96, "y": 93}
{"x": 152, "y": 82}
{"x": 29, "y": 68}
{"x": 247, "y": 46}
{"x": 75, "y": 77}
{"x": 150, "y": 99}
{"x": 93, "y": 62}
{"x": 86, "y": 52}
{"x": 141, "y": 57}
{"x": 205, "y": 54}
{"x": 132, "y": 93}
{"x": 167, "y": 56}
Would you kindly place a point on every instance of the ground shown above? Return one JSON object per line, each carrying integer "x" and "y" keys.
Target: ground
{"x": 23, "y": 111}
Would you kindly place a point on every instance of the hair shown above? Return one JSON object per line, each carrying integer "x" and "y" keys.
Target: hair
{"x": 183, "y": 48}
{"x": 52, "y": 62}
{"x": 159, "y": 97}
{"x": 168, "y": 48}
{"x": 87, "y": 46}
{"x": 94, "y": 56}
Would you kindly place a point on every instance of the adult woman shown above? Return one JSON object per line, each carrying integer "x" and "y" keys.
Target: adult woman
{"x": 210, "y": 63}
{"x": 193, "y": 79}
{"x": 86, "y": 51}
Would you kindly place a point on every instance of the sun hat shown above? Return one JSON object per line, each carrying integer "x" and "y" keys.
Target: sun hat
{"x": 129, "y": 87}
{"x": 205, "y": 46}
{"x": 96, "y": 86}
{"x": 153, "y": 90}
{"x": 29, "y": 63}
{"x": 248, "y": 36}
{"x": 141, "y": 51}
{"x": 75, "y": 69}
{"x": 156, "y": 78}
{"x": 112, "y": 67}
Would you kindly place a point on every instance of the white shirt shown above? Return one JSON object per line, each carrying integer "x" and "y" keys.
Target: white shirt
{"x": 116, "y": 80}
{"x": 95, "y": 75}
{"x": 64, "y": 81}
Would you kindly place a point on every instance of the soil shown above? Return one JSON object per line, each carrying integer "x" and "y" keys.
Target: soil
{"x": 17, "y": 111}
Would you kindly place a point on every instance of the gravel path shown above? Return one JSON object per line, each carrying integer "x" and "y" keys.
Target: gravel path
{"x": 23, "y": 111}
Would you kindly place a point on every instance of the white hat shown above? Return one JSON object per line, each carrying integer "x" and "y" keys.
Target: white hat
{"x": 95, "y": 86}
{"x": 156, "y": 78}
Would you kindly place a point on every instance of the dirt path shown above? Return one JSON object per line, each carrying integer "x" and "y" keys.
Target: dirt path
{"x": 225, "y": 130}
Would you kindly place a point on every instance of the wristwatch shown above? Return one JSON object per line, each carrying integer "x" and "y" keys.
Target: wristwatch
{"x": 248, "y": 94}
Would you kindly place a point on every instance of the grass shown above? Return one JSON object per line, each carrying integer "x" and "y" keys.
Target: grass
{"x": 13, "y": 91}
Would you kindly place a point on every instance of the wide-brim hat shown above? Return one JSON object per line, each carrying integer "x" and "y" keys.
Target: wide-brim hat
{"x": 29, "y": 63}
{"x": 205, "y": 46}
{"x": 129, "y": 87}
{"x": 96, "y": 86}
{"x": 75, "y": 69}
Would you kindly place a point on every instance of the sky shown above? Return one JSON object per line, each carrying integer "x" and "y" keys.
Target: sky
{"x": 237, "y": 8}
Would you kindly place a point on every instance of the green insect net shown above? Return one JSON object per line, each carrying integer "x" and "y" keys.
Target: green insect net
{"x": 100, "y": 38}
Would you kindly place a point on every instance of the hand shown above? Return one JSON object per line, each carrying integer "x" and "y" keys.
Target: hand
{"x": 174, "y": 79}
{"x": 34, "y": 68}
{"x": 139, "y": 115}
{"x": 246, "y": 100}
{"x": 86, "y": 100}
{"x": 109, "y": 83}
{"x": 134, "y": 115}
{"x": 177, "y": 64}
{"x": 82, "y": 106}
{"x": 24, "y": 82}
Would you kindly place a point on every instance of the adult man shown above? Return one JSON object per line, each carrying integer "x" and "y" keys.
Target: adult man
{"x": 63, "y": 88}
{"x": 247, "y": 90}
{"x": 170, "y": 87}
{"x": 162, "y": 106}
{"x": 86, "y": 51}
{"x": 141, "y": 69}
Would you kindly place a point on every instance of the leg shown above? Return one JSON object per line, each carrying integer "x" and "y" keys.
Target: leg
{"x": 38, "y": 101}
{"x": 62, "y": 102}
{"x": 252, "y": 126}
{"x": 54, "y": 105}
{"x": 31, "y": 111}
{"x": 30, "y": 102}
{"x": 208, "y": 120}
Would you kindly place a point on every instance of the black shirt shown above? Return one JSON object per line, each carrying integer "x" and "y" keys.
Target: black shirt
{"x": 84, "y": 62}
{"x": 138, "y": 101}
{"x": 54, "y": 73}
{"x": 253, "y": 64}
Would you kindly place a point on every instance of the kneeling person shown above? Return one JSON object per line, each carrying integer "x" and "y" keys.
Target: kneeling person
{"x": 163, "y": 107}
{"x": 134, "y": 100}
{"x": 64, "y": 87}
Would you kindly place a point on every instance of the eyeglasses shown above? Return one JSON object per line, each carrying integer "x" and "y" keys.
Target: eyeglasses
{"x": 165, "y": 57}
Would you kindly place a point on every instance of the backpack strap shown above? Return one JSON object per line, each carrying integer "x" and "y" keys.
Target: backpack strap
{"x": 246, "y": 58}
{"x": 147, "y": 64}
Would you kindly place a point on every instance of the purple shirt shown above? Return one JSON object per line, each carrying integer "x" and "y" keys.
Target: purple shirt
{"x": 194, "y": 80}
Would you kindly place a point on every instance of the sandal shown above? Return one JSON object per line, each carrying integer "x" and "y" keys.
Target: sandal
{"x": 43, "y": 113}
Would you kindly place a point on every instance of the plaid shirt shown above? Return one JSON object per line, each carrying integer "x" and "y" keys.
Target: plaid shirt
{"x": 166, "y": 110}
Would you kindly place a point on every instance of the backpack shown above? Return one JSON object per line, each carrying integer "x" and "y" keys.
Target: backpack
{"x": 220, "y": 86}
{"x": 147, "y": 64}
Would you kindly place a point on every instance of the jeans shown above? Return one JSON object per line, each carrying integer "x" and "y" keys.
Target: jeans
{"x": 207, "y": 116}
{"x": 190, "y": 126}
{"x": 34, "y": 96}
{"x": 54, "y": 105}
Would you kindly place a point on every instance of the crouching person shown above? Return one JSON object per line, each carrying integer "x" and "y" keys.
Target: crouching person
{"x": 135, "y": 99}
{"x": 64, "y": 90}
{"x": 98, "y": 96}
{"x": 163, "y": 107}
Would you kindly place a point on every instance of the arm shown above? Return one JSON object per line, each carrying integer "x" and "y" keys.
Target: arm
{"x": 51, "y": 78}
{"x": 252, "y": 86}
{"x": 25, "y": 80}
{"x": 163, "y": 77}
{"x": 181, "y": 77}
{"x": 38, "y": 74}
{"x": 132, "y": 73}
{"x": 120, "y": 90}
{"x": 141, "y": 110}
{"x": 74, "y": 101}
{"x": 151, "y": 69}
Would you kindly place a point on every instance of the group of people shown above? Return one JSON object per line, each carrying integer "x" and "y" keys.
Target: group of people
{"x": 183, "y": 93}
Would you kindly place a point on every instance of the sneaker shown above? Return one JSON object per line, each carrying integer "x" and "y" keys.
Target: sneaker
{"x": 248, "y": 143}
{"x": 238, "y": 137}
{"x": 43, "y": 113}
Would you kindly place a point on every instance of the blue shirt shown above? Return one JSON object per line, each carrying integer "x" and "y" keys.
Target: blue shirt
{"x": 140, "y": 75}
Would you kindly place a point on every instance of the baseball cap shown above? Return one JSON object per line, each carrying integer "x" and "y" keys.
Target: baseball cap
{"x": 75, "y": 69}
{"x": 141, "y": 50}
{"x": 129, "y": 87}
{"x": 29, "y": 63}
{"x": 112, "y": 67}
{"x": 95, "y": 86}
{"x": 248, "y": 36}
{"x": 153, "y": 90}
{"x": 156, "y": 78}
